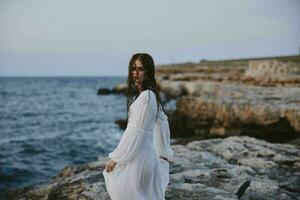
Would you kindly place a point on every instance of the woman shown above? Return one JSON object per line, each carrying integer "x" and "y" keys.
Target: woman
{"x": 138, "y": 168}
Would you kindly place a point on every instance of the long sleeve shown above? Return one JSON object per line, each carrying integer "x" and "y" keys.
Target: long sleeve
{"x": 134, "y": 136}
{"x": 162, "y": 137}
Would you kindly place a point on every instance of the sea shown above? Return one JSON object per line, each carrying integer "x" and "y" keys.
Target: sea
{"x": 47, "y": 123}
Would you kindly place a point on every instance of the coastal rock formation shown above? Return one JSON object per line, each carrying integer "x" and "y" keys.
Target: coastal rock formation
{"x": 273, "y": 72}
{"x": 208, "y": 169}
{"x": 120, "y": 88}
{"x": 259, "y": 98}
{"x": 104, "y": 91}
{"x": 117, "y": 89}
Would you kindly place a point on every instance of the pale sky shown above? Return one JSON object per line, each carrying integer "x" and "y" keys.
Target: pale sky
{"x": 97, "y": 38}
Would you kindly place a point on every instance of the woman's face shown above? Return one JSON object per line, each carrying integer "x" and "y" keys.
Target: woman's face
{"x": 138, "y": 73}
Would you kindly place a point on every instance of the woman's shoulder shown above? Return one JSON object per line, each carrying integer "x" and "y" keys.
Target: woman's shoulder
{"x": 147, "y": 95}
{"x": 148, "y": 91}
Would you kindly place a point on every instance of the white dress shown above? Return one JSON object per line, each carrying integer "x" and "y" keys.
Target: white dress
{"x": 139, "y": 173}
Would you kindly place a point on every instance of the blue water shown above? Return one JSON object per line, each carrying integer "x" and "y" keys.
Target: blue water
{"x": 48, "y": 123}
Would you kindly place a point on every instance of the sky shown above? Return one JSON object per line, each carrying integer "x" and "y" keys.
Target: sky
{"x": 97, "y": 38}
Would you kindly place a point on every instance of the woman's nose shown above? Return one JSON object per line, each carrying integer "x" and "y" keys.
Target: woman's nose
{"x": 136, "y": 73}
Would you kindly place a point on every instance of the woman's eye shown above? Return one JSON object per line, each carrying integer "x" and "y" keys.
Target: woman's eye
{"x": 138, "y": 69}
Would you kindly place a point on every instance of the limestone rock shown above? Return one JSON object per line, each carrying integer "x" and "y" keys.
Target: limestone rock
{"x": 260, "y": 98}
{"x": 208, "y": 169}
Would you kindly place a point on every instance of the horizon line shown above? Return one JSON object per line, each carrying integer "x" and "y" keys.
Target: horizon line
{"x": 59, "y": 76}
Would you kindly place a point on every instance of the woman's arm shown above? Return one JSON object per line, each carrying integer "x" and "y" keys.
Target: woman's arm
{"x": 133, "y": 138}
{"x": 162, "y": 138}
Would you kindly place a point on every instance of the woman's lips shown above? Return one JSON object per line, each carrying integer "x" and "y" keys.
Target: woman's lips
{"x": 136, "y": 81}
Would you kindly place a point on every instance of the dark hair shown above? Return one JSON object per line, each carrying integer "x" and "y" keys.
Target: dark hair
{"x": 148, "y": 83}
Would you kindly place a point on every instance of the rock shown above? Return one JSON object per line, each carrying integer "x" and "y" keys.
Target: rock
{"x": 291, "y": 185}
{"x": 220, "y": 113}
{"x": 120, "y": 88}
{"x": 172, "y": 89}
{"x": 84, "y": 182}
{"x": 262, "y": 190}
{"x": 207, "y": 169}
{"x": 259, "y": 98}
{"x": 295, "y": 142}
{"x": 121, "y": 123}
{"x": 273, "y": 71}
{"x": 103, "y": 91}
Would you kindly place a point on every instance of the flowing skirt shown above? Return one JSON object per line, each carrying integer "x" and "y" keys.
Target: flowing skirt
{"x": 146, "y": 177}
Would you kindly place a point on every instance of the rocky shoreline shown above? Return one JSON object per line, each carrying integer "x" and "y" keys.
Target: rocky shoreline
{"x": 207, "y": 169}
{"x": 227, "y": 105}
{"x": 259, "y": 98}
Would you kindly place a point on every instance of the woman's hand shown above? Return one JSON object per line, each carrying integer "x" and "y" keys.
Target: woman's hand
{"x": 110, "y": 165}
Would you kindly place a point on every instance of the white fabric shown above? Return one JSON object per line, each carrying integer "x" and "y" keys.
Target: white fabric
{"x": 140, "y": 174}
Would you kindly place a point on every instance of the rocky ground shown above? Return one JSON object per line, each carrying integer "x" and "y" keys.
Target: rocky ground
{"x": 208, "y": 169}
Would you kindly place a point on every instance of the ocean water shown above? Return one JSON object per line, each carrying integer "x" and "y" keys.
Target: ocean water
{"x": 47, "y": 123}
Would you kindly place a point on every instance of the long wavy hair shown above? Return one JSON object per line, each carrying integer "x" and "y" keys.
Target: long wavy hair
{"x": 149, "y": 81}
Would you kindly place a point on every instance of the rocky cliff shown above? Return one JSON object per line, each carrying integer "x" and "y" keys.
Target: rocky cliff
{"x": 259, "y": 98}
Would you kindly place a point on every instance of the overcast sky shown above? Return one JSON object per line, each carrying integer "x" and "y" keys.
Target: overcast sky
{"x": 97, "y": 38}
